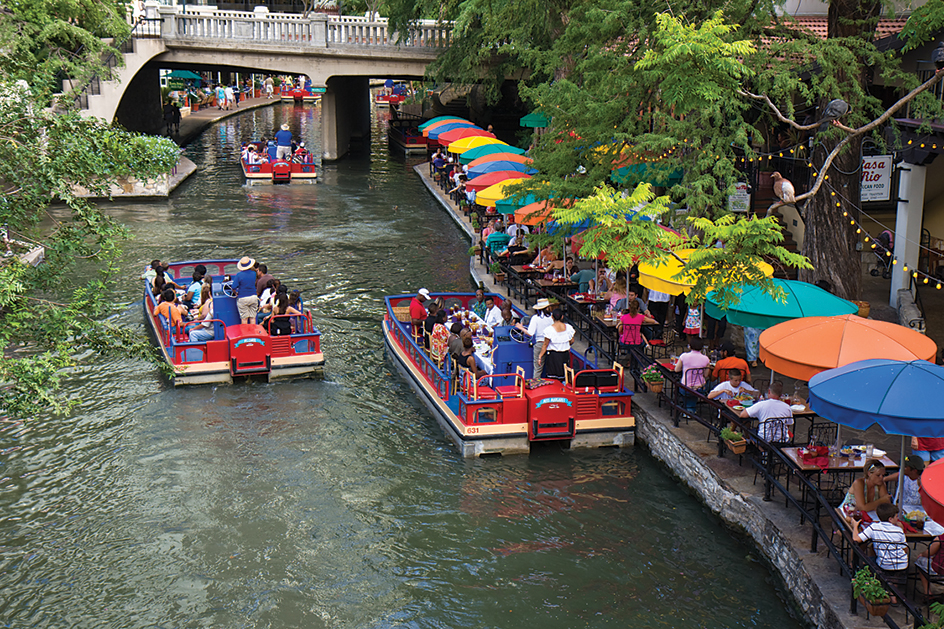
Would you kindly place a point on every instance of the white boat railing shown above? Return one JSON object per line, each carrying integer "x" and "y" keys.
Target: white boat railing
{"x": 316, "y": 30}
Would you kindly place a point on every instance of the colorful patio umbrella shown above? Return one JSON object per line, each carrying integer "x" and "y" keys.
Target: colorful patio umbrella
{"x": 465, "y": 144}
{"x": 662, "y": 278}
{"x": 490, "y": 167}
{"x": 757, "y": 309}
{"x": 495, "y": 157}
{"x": 490, "y": 179}
{"x": 439, "y": 120}
{"x": 479, "y": 151}
{"x": 449, "y": 137}
{"x": 492, "y": 194}
{"x": 802, "y": 348}
{"x": 534, "y": 213}
{"x": 535, "y": 120}
{"x": 892, "y": 394}
{"x": 433, "y": 133}
{"x": 932, "y": 490}
{"x": 510, "y": 205}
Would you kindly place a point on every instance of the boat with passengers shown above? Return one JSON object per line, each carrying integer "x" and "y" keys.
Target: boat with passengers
{"x": 296, "y": 169}
{"x": 236, "y": 349}
{"x": 505, "y": 412}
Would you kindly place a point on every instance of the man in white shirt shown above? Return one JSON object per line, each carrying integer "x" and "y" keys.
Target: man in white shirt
{"x": 772, "y": 414}
{"x": 536, "y": 327}
{"x": 493, "y": 314}
{"x": 732, "y": 388}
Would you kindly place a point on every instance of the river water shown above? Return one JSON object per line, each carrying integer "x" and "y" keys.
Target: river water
{"x": 334, "y": 502}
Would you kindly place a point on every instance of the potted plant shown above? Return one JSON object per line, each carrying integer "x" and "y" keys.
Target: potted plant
{"x": 497, "y": 271}
{"x": 474, "y": 250}
{"x": 653, "y": 378}
{"x": 869, "y": 590}
{"x": 734, "y": 440}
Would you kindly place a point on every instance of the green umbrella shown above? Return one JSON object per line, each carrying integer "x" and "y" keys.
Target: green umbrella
{"x": 488, "y": 149}
{"x": 757, "y": 309}
{"x": 423, "y": 126}
{"x": 509, "y": 205}
{"x": 641, "y": 172}
{"x": 534, "y": 119}
{"x": 185, "y": 74}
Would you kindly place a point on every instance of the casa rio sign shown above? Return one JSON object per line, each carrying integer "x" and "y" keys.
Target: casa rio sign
{"x": 876, "y": 182}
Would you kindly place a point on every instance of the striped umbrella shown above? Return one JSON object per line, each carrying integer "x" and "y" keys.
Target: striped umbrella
{"x": 440, "y": 120}
{"x": 500, "y": 147}
{"x": 490, "y": 179}
{"x": 465, "y": 144}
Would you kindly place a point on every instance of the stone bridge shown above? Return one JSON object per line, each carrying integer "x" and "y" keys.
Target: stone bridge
{"x": 337, "y": 53}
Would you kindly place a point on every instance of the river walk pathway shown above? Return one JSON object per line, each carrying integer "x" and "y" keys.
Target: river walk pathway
{"x": 727, "y": 487}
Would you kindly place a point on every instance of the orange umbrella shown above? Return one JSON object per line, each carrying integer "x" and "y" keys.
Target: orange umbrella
{"x": 506, "y": 157}
{"x": 534, "y": 213}
{"x": 802, "y": 348}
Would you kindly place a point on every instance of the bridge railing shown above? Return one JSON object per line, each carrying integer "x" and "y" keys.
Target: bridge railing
{"x": 318, "y": 30}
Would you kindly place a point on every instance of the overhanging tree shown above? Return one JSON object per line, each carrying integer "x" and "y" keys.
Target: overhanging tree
{"x": 47, "y": 317}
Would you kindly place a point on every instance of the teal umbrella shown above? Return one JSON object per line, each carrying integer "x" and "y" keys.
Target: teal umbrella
{"x": 488, "y": 149}
{"x": 534, "y": 120}
{"x": 509, "y": 205}
{"x": 642, "y": 172}
{"x": 423, "y": 126}
{"x": 757, "y": 309}
{"x": 185, "y": 74}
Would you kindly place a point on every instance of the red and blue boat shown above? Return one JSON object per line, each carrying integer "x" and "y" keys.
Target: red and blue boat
{"x": 404, "y": 134}
{"x": 504, "y": 412}
{"x": 236, "y": 349}
{"x": 280, "y": 170}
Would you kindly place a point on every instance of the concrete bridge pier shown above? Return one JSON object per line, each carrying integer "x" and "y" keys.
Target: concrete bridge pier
{"x": 345, "y": 114}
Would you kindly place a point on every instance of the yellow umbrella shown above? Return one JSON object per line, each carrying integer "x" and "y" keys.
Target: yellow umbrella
{"x": 491, "y": 195}
{"x": 662, "y": 278}
{"x": 466, "y": 144}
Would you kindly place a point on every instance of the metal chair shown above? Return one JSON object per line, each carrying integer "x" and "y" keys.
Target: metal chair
{"x": 924, "y": 573}
{"x": 822, "y": 434}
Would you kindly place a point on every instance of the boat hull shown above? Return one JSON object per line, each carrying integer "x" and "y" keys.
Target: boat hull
{"x": 508, "y": 418}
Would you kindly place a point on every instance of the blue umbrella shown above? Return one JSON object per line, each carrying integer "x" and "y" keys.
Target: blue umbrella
{"x": 501, "y": 164}
{"x": 898, "y": 396}
{"x": 388, "y": 83}
{"x": 434, "y": 133}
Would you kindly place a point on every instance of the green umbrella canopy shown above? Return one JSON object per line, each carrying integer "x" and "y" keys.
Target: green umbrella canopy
{"x": 534, "y": 119}
{"x": 423, "y": 126}
{"x": 509, "y": 205}
{"x": 640, "y": 172}
{"x": 757, "y": 309}
{"x": 185, "y": 74}
{"x": 488, "y": 149}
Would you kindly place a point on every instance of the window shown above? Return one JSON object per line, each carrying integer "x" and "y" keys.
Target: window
{"x": 486, "y": 415}
{"x": 613, "y": 408}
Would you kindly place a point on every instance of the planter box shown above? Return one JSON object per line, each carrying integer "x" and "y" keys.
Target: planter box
{"x": 878, "y": 609}
{"x": 737, "y": 447}
{"x": 655, "y": 387}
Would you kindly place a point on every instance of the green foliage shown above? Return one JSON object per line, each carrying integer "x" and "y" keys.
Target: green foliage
{"x": 866, "y": 585}
{"x": 937, "y": 609}
{"x": 681, "y": 51}
{"x": 728, "y": 434}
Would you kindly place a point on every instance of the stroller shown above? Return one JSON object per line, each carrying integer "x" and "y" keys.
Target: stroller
{"x": 885, "y": 242}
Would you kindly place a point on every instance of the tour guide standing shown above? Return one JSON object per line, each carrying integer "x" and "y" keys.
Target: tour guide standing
{"x": 244, "y": 285}
{"x": 283, "y": 139}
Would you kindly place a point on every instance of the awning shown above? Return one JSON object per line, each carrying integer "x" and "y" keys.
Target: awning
{"x": 534, "y": 120}
{"x": 185, "y": 74}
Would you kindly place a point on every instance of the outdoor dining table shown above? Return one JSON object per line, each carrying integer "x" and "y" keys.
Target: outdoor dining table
{"x": 527, "y": 270}
{"x": 556, "y": 286}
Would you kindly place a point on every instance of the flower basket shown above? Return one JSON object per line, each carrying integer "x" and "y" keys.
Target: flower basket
{"x": 736, "y": 447}
{"x": 655, "y": 387}
{"x": 877, "y": 608}
{"x": 653, "y": 378}
{"x": 864, "y": 308}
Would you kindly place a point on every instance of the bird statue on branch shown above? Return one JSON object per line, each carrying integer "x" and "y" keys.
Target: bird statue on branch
{"x": 937, "y": 56}
{"x": 835, "y": 109}
{"x": 783, "y": 188}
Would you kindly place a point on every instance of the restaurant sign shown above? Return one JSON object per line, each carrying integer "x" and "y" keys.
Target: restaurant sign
{"x": 876, "y": 178}
{"x": 740, "y": 201}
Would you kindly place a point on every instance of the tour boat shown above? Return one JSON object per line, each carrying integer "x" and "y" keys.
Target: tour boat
{"x": 505, "y": 412}
{"x": 405, "y": 136}
{"x": 298, "y": 95}
{"x": 279, "y": 171}
{"x": 385, "y": 100}
{"x": 237, "y": 349}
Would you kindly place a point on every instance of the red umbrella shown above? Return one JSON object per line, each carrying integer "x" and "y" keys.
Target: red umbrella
{"x": 490, "y": 179}
{"x": 448, "y": 137}
{"x": 932, "y": 490}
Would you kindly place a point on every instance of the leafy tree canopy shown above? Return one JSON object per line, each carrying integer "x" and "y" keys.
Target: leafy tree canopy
{"x": 47, "y": 318}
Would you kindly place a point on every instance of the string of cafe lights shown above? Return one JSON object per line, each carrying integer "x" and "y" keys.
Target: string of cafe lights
{"x": 915, "y": 274}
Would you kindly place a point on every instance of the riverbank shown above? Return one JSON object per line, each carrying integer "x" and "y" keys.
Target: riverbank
{"x": 728, "y": 488}
{"x": 192, "y": 125}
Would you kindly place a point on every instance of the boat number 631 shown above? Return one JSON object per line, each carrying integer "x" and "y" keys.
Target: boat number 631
{"x": 472, "y": 431}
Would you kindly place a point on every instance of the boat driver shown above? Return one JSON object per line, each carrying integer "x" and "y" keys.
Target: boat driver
{"x": 244, "y": 285}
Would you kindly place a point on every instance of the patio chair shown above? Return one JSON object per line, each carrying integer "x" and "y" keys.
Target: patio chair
{"x": 932, "y": 583}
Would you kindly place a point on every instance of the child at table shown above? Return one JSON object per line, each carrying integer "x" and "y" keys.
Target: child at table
{"x": 888, "y": 539}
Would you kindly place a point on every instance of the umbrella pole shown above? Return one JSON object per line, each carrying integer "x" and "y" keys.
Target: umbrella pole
{"x": 901, "y": 471}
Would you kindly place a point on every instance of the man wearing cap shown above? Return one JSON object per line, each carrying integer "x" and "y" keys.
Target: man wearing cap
{"x": 283, "y": 140}
{"x": 730, "y": 361}
{"x": 418, "y": 312}
{"x": 244, "y": 285}
{"x": 536, "y": 327}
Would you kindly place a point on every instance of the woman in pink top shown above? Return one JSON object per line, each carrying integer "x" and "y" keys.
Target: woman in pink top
{"x": 630, "y": 325}
{"x": 618, "y": 292}
{"x": 692, "y": 365}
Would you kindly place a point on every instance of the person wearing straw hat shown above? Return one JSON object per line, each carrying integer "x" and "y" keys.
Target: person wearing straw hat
{"x": 283, "y": 141}
{"x": 539, "y": 322}
{"x": 244, "y": 285}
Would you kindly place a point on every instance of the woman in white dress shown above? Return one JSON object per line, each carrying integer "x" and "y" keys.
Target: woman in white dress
{"x": 558, "y": 337}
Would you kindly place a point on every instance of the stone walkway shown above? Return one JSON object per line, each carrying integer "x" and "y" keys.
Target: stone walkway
{"x": 727, "y": 486}
{"x": 191, "y": 126}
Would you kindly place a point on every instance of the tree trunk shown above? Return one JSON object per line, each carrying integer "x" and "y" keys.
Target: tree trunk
{"x": 830, "y": 240}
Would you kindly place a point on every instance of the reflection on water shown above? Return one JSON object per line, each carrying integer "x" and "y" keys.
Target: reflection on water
{"x": 335, "y": 502}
